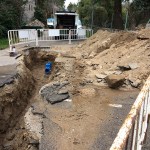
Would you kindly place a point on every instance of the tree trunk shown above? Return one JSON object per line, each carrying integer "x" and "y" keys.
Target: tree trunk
{"x": 117, "y": 19}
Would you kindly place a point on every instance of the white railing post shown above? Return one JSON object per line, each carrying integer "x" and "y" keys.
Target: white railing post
{"x": 69, "y": 36}
{"x": 137, "y": 115}
{"x": 10, "y": 46}
{"x": 37, "y": 42}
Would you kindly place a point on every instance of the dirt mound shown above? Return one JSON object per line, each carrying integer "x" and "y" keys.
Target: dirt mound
{"x": 101, "y": 41}
{"x": 145, "y": 33}
{"x": 105, "y": 51}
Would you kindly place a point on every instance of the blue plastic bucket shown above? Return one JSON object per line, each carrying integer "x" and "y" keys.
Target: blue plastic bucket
{"x": 48, "y": 67}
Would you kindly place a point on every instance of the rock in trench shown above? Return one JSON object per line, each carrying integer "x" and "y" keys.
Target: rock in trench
{"x": 115, "y": 81}
{"x": 55, "y": 92}
{"x": 135, "y": 82}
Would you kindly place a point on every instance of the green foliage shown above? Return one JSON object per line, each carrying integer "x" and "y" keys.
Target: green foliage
{"x": 11, "y": 13}
{"x": 39, "y": 14}
{"x": 72, "y": 7}
{"x": 100, "y": 20}
{"x": 117, "y": 22}
{"x": 2, "y": 30}
{"x": 141, "y": 5}
{"x": 101, "y": 9}
{"x": 3, "y": 43}
{"x": 44, "y": 9}
{"x": 139, "y": 12}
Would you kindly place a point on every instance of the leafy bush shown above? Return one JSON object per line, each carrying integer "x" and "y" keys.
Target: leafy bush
{"x": 3, "y": 43}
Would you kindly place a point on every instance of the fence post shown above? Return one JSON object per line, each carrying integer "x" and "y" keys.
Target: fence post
{"x": 69, "y": 36}
{"x": 9, "y": 39}
{"x": 37, "y": 42}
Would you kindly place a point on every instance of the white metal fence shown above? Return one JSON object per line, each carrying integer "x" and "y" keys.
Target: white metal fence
{"x": 132, "y": 134}
{"x": 26, "y": 36}
{"x": 23, "y": 36}
{"x": 63, "y": 34}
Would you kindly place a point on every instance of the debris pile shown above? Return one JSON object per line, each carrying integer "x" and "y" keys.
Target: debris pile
{"x": 116, "y": 53}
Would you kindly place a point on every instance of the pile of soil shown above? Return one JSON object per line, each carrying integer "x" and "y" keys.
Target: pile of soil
{"x": 113, "y": 52}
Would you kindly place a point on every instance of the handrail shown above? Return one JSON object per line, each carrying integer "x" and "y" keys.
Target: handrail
{"x": 138, "y": 108}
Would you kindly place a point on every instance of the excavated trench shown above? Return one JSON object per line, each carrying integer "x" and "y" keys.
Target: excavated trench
{"x": 15, "y": 98}
{"x": 30, "y": 121}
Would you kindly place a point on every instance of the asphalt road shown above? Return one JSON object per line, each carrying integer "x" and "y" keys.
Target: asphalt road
{"x": 87, "y": 124}
{"x": 7, "y": 67}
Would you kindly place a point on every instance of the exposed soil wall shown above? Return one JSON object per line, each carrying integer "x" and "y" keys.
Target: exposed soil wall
{"x": 15, "y": 97}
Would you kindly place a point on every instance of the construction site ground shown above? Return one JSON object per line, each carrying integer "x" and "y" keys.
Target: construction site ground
{"x": 93, "y": 114}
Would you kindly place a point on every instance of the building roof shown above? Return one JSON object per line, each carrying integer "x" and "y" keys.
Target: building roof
{"x": 36, "y": 23}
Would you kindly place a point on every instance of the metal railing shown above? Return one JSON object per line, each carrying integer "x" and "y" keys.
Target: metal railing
{"x": 26, "y": 36}
{"x": 63, "y": 34}
{"x": 22, "y": 36}
{"x": 132, "y": 134}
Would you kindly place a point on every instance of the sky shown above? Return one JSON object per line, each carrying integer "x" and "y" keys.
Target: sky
{"x": 68, "y": 1}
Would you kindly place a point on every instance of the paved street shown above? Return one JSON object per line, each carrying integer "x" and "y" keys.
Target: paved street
{"x": 7, "y": 67}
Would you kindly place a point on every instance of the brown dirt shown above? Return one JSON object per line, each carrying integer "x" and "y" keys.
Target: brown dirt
{"x": 14, "y": 98}
{"x": 87, "y": 121}
{"x": 106, "y": 50}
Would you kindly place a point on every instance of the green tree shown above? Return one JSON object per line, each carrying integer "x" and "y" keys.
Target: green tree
{"x": 141, "y": 5}
{"x": 72, "y": 7}
{"x": 117, "y": 18}
{"x": 96, "y": 12}
{"x": 39, "y": 14}
{"x": 44, "y": 8}
{"x": 11, "y": 14}
{"x": 139, "y": 13}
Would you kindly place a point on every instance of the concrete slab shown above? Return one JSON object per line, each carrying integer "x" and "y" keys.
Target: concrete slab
{"x": 7, "y": 74}
{"x": 7, "y": 67}
{"x": 5, "y": 59}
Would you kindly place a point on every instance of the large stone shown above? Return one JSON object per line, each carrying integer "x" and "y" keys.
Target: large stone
{"x": 130, "y": 66}
{"x": 115, "y": 81}
{"x": 55, "y": 92}
{"x": 55, "y": 98}
{"x": 134, "y": 82}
